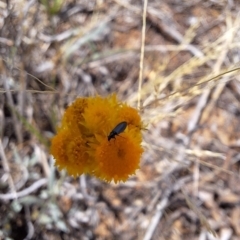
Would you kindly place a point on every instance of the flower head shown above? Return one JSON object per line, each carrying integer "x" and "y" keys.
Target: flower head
{"x": 118, "y": 158}
{"x": 130, "y": 115}
{"x": 70, "y": 152}
{"x": 73, "y": 116}
{"x": 82, "y": 145}
{"x": 98, "y": 114}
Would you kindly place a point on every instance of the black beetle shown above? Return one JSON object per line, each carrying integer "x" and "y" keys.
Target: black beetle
{"x": 117, "y": 130}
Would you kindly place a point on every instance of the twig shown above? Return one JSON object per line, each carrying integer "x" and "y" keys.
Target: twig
{"x": 17, "y": 126}
{"x": 196, "y": 117}
{"x": 202, "y": 103}
{"x": 156, "y": 218}
{"x": 83, "y": 186}
{"x": 6, "y": 41}
{"x": 161, "y": 206}
{"x": 21, "y": 24}
{"x": 29, "y": 224}
{"x": 7, "y": 170}
{"x": 142, "y": 52}
{"x": 229, "y": 37}
{"x": 154, "y": 16}
{"x": 26, "y": 191}
{"x": 42, "y": 156}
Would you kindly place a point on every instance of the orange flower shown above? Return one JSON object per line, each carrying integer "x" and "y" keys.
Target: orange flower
{"x": 81, "y": 144}
{"x": 73, "y": 116}
{"x": 130, "y": 115}
{"x": 70, "y": 152}
{"x": 118, "y": 158}
{"x": 99, "y": 113}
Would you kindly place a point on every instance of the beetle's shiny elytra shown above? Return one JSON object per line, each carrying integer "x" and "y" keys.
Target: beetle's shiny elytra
{"x": 117, "y": 130}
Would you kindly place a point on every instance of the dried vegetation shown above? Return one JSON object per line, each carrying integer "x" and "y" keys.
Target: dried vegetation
{"x": 188, "y": 186}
